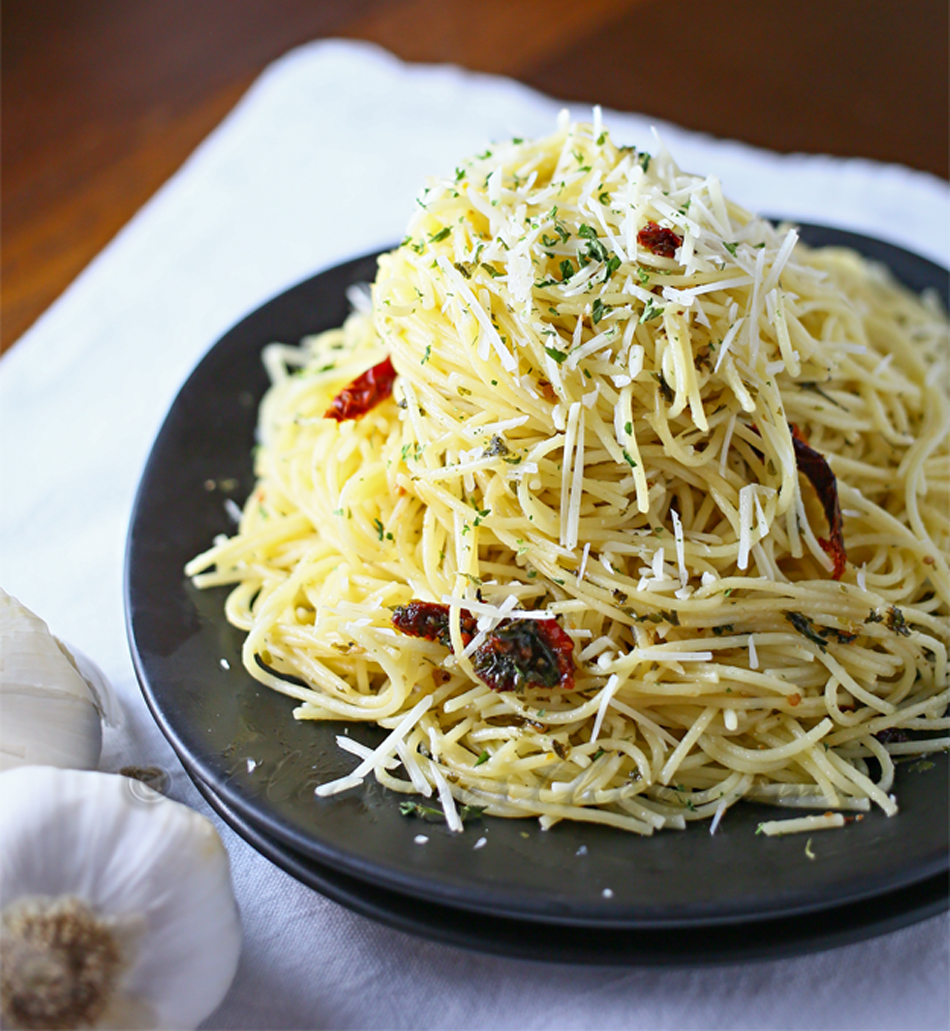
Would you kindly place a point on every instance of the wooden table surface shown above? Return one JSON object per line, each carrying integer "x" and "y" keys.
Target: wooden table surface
{"x": 104, "y": 99}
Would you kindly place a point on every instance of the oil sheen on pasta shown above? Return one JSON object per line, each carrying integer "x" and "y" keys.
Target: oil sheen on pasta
{"x": 601, "y": 369}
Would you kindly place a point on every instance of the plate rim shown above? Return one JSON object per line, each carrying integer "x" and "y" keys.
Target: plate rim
{"x": 755, "y": 941}
{"x": 318, "y": 850}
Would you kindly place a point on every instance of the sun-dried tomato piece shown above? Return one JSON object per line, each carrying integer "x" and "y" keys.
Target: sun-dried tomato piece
{"x": 816, "y": 470}
{"x": 430, "y": 620}
{"x": 518, "y": 653}
{"x": 521, "y": 653}
{"x": 892, "y": 735}
{"x": 814, "y": 467}
{"x": 659, "y": 240}
{"x": 364, "y": 393}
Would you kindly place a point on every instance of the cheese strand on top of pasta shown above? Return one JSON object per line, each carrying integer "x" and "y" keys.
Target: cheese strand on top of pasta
{"x": 616, "y": 503}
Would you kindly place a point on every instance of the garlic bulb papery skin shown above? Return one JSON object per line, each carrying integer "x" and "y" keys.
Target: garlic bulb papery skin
{"x": 51, "y": 702}
{"x": 118, "y": 910}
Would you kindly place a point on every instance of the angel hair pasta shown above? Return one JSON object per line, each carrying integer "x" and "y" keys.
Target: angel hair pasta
{"x": 615, "y": 503}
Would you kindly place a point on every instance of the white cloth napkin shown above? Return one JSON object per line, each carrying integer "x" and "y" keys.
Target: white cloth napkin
{"x": 318, "y": 163}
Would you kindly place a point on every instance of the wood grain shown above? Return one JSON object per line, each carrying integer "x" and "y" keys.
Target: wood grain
{"x": 104, "y": 99}
{"x": 491, "y": 36}
{"x": 852, "y": 77}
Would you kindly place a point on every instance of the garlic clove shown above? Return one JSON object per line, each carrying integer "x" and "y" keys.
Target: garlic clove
{"x": 68, "y": 736}
{"x": 102, "y": 691}
{"x": 145, "y": 873}
{"x": 31, "y": 659}
{"x": 51, "y": 702}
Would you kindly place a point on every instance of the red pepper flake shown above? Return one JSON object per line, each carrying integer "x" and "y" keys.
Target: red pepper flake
{"x": 518, "y": 653}
{"x": 663, "y": 242}
{"x": 546, "y": 389}
{"x": 817, "y": 471}
{"x": 364, "y": 393}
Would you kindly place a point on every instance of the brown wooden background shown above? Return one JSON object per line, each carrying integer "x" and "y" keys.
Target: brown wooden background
{"x": 104, "y": 99}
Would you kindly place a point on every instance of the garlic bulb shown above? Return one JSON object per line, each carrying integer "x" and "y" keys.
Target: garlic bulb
{"x": 118, "y": 910}
{"x": 51, "y": 702}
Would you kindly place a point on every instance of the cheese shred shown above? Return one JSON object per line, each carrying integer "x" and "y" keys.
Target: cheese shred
{"x": 599, "y": 361}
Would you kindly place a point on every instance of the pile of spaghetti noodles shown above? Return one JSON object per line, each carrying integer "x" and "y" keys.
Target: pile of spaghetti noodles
{"x": 686, "y": 476}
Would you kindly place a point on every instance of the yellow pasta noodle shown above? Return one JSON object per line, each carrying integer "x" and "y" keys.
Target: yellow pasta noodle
{"x": 600, "y": 361}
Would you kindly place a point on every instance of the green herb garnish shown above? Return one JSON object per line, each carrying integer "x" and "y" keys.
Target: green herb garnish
{"x": 651, "y": 311}
{"x": 433, "y": 815}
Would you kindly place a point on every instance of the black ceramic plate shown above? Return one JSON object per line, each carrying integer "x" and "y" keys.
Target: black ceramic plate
{"x": 240, "y": 738}
{"x": 642, "y": 946}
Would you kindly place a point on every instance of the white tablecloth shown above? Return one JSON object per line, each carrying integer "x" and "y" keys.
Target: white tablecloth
{"x": 318, "y": 163}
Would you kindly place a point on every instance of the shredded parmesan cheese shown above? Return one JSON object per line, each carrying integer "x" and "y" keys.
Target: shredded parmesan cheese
{"x": 577, "y": 565}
